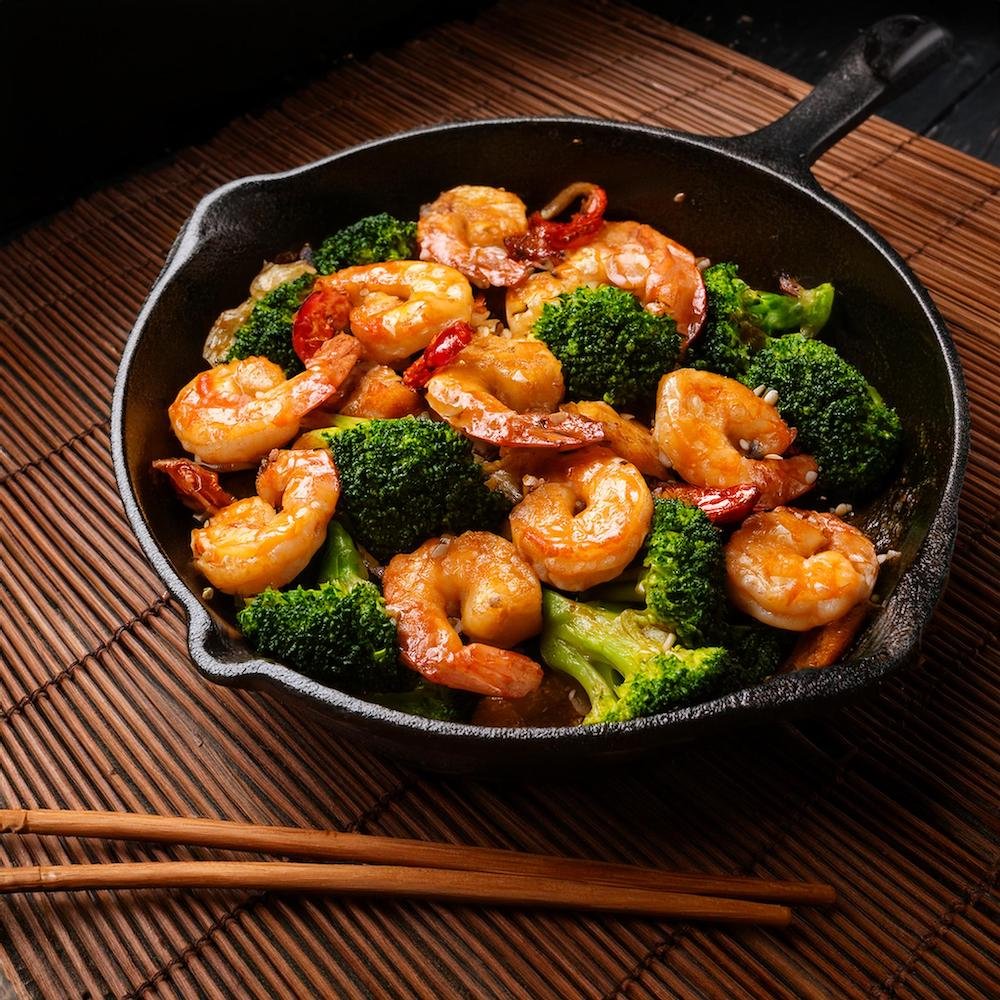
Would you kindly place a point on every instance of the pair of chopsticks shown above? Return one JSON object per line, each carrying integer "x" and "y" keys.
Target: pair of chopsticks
{"x": 385, "y": 866}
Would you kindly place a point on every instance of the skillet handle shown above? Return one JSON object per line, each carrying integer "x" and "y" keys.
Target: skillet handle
{"x": 889, "y": 58}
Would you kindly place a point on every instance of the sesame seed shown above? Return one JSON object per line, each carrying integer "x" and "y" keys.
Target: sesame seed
{"x": 665, "y": 462}
{"x": 771, "y": 397}
{"x": 697, "y": 406}
{"x": 440, "y": 549}
{"x": 669, "y": 641}
{"x": 811, "y": 476}
{"x": 744, "y": 444}
{"x": 559, "y": 418}
{"x": 640, "y": 589}
{"x": 208, "y": 593}
{"x": 843, "y": 508}
{"x": 760, "y": 390}
{"x": 679, "y": 197}
{"x": 775, "y": 458}
{"x": 702, "y": 263}
{"x": 892, "y": 553}
{"x": 657, "y": 635}
{"x": 880, "y": 558}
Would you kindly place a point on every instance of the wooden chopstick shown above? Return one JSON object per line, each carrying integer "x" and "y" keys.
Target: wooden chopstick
{"x": 487, "y": 888}
{"x": 331, "y": 845}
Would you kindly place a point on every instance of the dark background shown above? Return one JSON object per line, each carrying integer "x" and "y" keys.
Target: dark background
{"x": 89, "y": 91}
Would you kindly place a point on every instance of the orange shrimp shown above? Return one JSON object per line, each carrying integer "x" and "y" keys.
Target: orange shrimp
{"x": 715, "y": 432}
{"x": 480, "y": 578}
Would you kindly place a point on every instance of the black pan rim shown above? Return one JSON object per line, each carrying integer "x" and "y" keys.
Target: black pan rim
{"x": 786, "y": 696}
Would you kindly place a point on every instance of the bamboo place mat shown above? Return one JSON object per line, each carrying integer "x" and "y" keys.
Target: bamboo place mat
{"x": 893, "y": 800}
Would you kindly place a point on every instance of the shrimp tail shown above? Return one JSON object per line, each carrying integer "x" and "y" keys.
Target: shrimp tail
{"x": 327, "y": 370}
{"x": 487, "y": 670}
{"x": 538, "y": 430}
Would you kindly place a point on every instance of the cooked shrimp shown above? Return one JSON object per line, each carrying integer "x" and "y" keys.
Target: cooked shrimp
{"x": 267, "y": 540}
{"x": 662, "y": 274}
{"x": 585, "y": 522}
{"x": 715, "y": 432}
{"x": 380, "y": 393}
{"x": 237, "y": 412}
{"x": 487, "y": 391}
{"x": 465, "y": 228}
{"x": 481, "y": 579}
{"x": 797, "y": 569}
{"x": 398, "y": 306}
{"x": 624, "y": 435}
{"x": 220, "y": 337}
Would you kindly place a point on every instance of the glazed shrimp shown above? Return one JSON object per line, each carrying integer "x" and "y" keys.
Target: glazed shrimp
{"x": 798, "y": 569}
{"x": 480, "y": 578}
{"x": 267, "y": 540}
{"x": 624, "y": 435}
{"x": 661, "y": 273}
{"x": 236, "y": 413}
{"x": 715, "y": 432}
{"x": 489, "y": 387}
{"x": 465, "y": 228}
{"x": 586, "y": 520}
{"x": 398, "y": 306}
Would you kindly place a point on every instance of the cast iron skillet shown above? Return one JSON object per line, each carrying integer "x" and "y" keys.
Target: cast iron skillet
{"x": 750, "y": 198}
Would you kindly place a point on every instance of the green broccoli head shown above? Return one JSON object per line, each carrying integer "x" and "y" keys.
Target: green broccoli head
{"x": 610, "y": 347}
{"x": 402, "y": 481}
{"x": 681, "y": 580}
{"x": 740, "y": 320}
{"x": 842, "y": 421}
{"x": 623, "y": 659}
{"x": 683, "y": 583}
{"x": 268, "y": 329}
{"x": 367, "y": 241}
{"x": 337, "y": 632}
{"x": 757, "y": 651}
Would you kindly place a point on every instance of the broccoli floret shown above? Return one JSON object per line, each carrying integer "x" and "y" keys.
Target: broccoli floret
{"x": 619, "y": 659}
{"x": 371, "y": 239}
{"x": 682, "y": 576}
{"x": 431, "y": 701}
{"x": 402, "y": 481}
{"x": 757, "y": 652}
{"x": 268, "y": 329}
{"x": 337, "y": 632}
{"x": 842, "y": 421}
{"x": 610, "y": 348}
{"x": 741, "y": 320}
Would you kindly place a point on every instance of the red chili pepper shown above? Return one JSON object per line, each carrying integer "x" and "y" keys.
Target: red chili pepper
{"x": 442, "y": 350}
{"x": 546, "y": 239}
{"x": 197, "y": 486}
{"x": 324, "y": 313}
{"x": 723, "y": 506}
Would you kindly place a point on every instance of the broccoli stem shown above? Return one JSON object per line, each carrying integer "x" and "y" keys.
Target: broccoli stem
{"x": 629, "y": 588}
{"x": 342, "y": 423}
{"x": 807, "y": 311}
{"x": 575, "y": 633}
{"x": 341, "y": 562}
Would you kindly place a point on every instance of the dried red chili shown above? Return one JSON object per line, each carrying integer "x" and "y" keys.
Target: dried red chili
{"x": 324, "y": 313}
{"x": 197, "y": 486}
{"x": 723, "y": 506}
{"x": 442, "y": 350}
{"x": 546, "y": 240}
